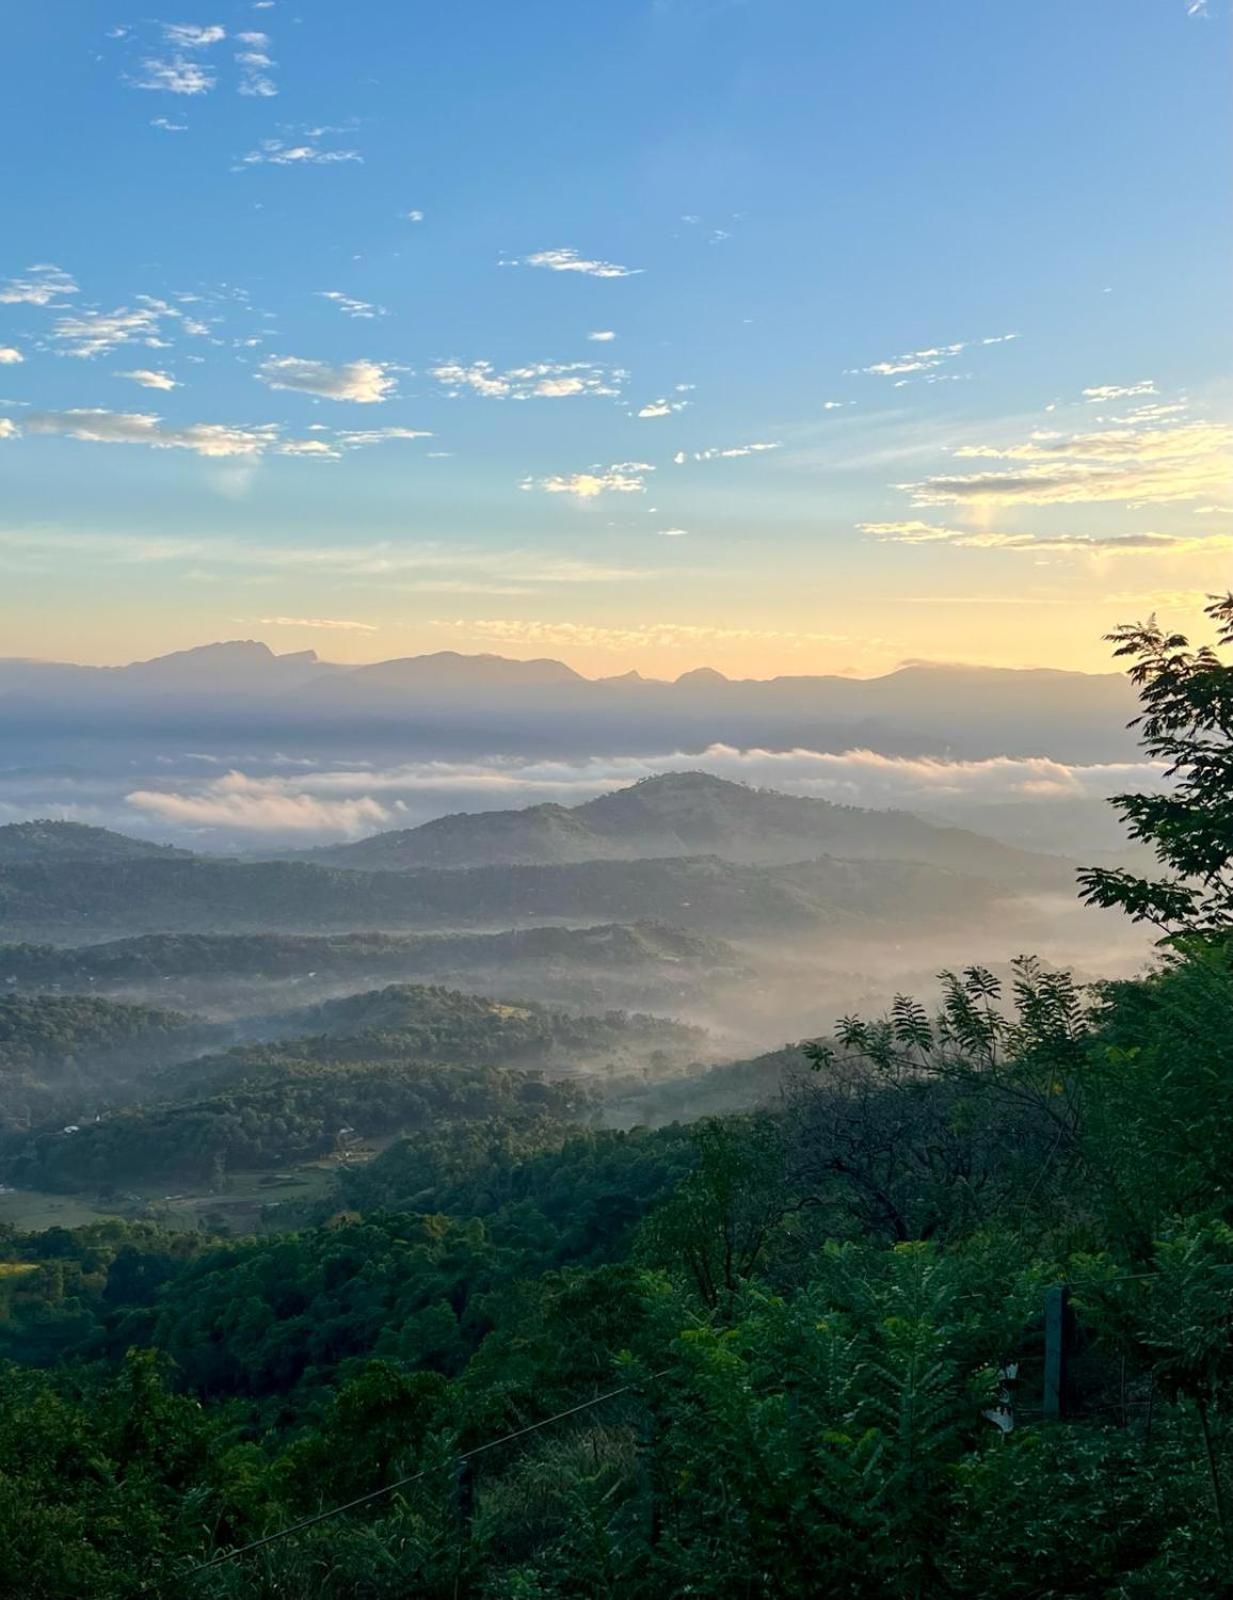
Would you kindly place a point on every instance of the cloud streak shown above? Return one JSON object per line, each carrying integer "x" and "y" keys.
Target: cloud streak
{"x": 572, "y": 261}
{"x": 361, "y": 382}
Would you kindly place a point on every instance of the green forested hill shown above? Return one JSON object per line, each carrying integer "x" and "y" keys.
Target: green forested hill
{"x": 704, "y": 894}
{"x": 75, "y": 1052}
{"x": 154, "y": 958}
{"x": 51, "y": 843}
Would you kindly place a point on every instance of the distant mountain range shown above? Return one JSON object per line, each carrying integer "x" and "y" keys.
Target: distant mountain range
{"x": 690, "y": 813}
{"x": 468, "y": 701}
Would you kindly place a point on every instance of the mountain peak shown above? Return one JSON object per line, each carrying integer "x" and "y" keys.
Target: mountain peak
{"x": 701, "y": 677}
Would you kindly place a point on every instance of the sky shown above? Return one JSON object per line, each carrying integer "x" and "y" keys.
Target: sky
{"x": 771, "y": 335}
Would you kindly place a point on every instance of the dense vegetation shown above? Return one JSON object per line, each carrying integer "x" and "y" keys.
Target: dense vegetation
{"x": 806, "y": 1351}
{"x": 400, "y": 1059}
{"x": 155, "y": 958}
{"x": 92, "y": 899}
{"x": 61, "y": 1050}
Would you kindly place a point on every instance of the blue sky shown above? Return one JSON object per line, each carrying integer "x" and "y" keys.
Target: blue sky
{"x": 298, "y": 306}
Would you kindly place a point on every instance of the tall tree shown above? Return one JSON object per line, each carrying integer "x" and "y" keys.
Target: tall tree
{"x": 1187, "y": 723}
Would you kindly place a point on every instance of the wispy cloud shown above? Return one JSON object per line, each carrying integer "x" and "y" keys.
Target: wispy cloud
{"x": 1134, "y": 466}
{"x": 166, "y": 124}
{"x": 429, "y": 566}
{"x": 192, "y": 35}
{"x": 1120, "y": 544}
{"x": 355, "y": 439}
{"x": 624, "y": 477}
{"x": 729, "y": 452}
{"x": 97, "y": 426}
{"x": 306, "y": 152}
{"x": 931, "y": 358}
{"x": 662, "y": 407}
{"x": 174, "y": 75}
{"x": 350, "y": 306}
{"x": 643, "y": 636}
{"x": 262, "y": 805}
{"x": 331, "y": 624}
{"x": 91, "y": 333}
{"x": 571, "y": 261}
{"x": 255, "y": 66}
{"x": 552, "y": 380}
{"x": 363, "y": 382}
{"x": 150, "y": 379}
{"x": 602, "y": 336}
{"x": 1119, "y": 391}
{"x": 42, "y": 285}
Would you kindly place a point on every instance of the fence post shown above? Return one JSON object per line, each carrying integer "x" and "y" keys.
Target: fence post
{"x": 1057, "y": 1351}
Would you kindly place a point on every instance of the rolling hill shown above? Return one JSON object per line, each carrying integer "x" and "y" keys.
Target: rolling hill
{"x": 89, "y": 900}
{"x": 690, "y": 813}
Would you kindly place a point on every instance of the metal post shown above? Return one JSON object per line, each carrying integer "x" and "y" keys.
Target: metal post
{"x": 1057, "y": 1351}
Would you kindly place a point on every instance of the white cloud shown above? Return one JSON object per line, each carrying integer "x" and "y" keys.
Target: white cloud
{"x": 96, "y": 426}
{"x": 42, "y": 286}
{"x": 552, "y": 380}
{"x": 415, "y": 216}
{"x": 176, "y": 75}
{"x": 8, "y": 428}
{"x": 355, "y": 439}
{"x": 674, "y": 533}
{"x": 10, "y": 357}
{"x": 191, "y": 36}
{"x": 1120, "y": 544}
{"x": 624, "y": 477}
{"x": 1135, "y": 466}
{"x": 662, "y": 408}
{"x": 262, "y": 805}
{"x": 602, "y": 336}
{"x": 313, "y": 449}
{"x": 932, "y": 357}
{"x": 352, "y": 307}
{"x": 363, "y": 382}
{"x": 308, "y": 153}
{"x": 338, "y": 624}
{"x": 571, "y": 261}
{"x": 1119, "y": 391}
{"x": 150, "y": 379}
{"x": 91, "y": 333}
{"x": 731, "y": 452}
{"x": 255, "y": 66}
{"x": 168, "y": 126}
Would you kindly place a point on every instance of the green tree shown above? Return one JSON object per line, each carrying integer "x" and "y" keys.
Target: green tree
{"x": 1187, "y": 723}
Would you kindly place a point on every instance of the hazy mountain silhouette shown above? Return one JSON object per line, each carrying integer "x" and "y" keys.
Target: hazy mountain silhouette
{"x": 55, "y": 843}
{"x": 468, "y": 701}
{"x": 689, "y": 813}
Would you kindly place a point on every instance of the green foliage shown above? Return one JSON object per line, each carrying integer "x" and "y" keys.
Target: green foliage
{"x": 1186, "y": 723}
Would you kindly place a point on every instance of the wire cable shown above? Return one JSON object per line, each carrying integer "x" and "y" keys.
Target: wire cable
{"x": 392, "y": 1488}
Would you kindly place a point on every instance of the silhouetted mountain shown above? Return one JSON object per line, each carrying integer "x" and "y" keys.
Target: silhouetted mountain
{"x": 484, "y": 703}
{"x": 52, "y": 842}
{"x": 689, "y": 813}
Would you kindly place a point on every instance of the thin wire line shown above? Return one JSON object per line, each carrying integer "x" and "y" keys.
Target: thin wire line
{"x": 391, "y": 1488}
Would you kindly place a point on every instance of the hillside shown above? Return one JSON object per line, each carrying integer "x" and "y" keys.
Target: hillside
{"x": 690, "y": 813}
{"x": 399, "y": 1059}
{"x": 94, "y": 899}
{"x": 156, "y": 958}
{"x": 414, "y": 1022}
{"x": 57, "y": 842}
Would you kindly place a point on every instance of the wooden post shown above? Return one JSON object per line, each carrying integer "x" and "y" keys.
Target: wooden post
{"x": 1057, "y": 1351}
